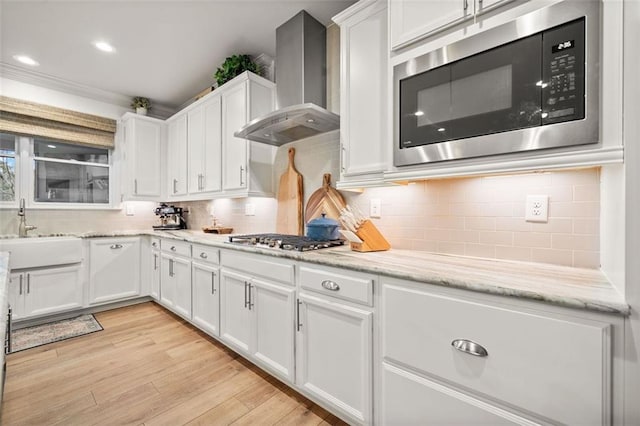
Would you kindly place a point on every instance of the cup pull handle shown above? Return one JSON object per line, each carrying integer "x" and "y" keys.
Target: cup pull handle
{"x": 116, "y": 246}
{"x": 330, "y": 285}
{"x": 173, "y": 248}
{"x": 203, "y": 255}
{"x": 469, "y": 347}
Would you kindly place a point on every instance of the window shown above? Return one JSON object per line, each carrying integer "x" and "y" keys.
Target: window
{"x": 66, "y": 173}
{"x": 7, "y": 167}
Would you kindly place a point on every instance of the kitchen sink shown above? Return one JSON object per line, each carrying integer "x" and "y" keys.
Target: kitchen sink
{"x": 42, "y": 251}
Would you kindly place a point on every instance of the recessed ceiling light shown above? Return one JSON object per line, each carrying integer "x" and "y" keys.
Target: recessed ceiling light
{"x": 441, "y": 129}
{"x": 418, "y": 113}
{"x": 51, "y": 146}
{"x": 104, "y": 46}
{"x": 26, "y": 60}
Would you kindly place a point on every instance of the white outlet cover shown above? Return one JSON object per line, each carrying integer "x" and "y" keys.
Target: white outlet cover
{"x": 249, "y": 209}
{"x": 375, "y": 209}
{"x": 537, "y": 208}
{"x": 131, "y": 210}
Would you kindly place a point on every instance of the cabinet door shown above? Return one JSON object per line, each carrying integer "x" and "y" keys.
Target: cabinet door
{"x": 206, "y": 298}
{"x": 52, "y": 290}
{"x": 335, "y": 355}
{"x": 114, "y": 269}
{"x": 411, "y": 20}
{"x": 195, "y": 138}
{"x": 212, "y": 156}
{"x": 412, "y": 400}
{"x": 182, "y": 279}
{"x": 177, "y": 156}
{"x": 364, "y": 100}
{"x": 16, "y": 294}
{"x": 234, "y": 116}
{"x": 146, "y": 149}
{"x": 273, "y": 327}
{"x": 155, "y": 274}
{"x": 235, "y": 319}
{"x": 167, "y": 283}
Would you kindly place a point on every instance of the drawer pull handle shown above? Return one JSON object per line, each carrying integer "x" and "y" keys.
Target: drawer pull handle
{"x": 116, "y": 246}
{"x": 203, "y": 255}
{"x": 173, "y": 248}
{"x": 469, "y": 347}
{"x": 154, "y": 244}
{"x": 330, "y": 285}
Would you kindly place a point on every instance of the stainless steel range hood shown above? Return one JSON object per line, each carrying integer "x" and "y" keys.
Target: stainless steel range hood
{"x": 300, "y": 86}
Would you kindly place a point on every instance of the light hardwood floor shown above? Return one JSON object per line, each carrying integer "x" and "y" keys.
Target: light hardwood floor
{"x": 147, "y": 367}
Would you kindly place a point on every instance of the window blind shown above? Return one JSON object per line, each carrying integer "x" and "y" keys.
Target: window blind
{"x": 29, "y": 118}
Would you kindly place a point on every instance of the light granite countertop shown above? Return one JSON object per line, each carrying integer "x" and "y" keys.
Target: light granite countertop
{"x": 4, "y": 305}
{"x": 558, "y": 285}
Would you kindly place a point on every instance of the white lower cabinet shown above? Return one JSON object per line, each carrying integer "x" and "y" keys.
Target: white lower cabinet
{"x": 39, "y": 292}
{"x": 334, "y": 341}
{"x": 256, "y": 318}
{"x": 114, "y": 271}
{"x": 205, "y": 285}
{"x": 154, "y": 290}
{"x": 235, "y": 321}
{"x": 175, "y": 277}
{"x": 539, "y": 367}
{"x": 257, "y": 305}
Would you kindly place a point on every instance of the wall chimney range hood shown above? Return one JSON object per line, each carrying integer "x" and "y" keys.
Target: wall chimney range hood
{"x": 300, "y": 86}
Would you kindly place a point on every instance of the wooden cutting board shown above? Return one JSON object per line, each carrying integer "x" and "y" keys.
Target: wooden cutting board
{"x": 289, "y": 220}
{"x": 324, "y": 200}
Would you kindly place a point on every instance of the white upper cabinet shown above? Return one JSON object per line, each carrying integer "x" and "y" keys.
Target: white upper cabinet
{"x": 413, "y": 20}
{"x": 205, "y": 159}
{"x": 234, "y": 107}
{"x": 143, "y": 157}
{"x": 247, "y": 166}
{"x": 177, "y": 155}
{"x": 204, "y": 135}
{"x": 364, "y": 104}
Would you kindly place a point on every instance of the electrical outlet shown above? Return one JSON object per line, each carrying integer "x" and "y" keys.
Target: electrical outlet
{"x": 249, "y": 209}
{"x": 537, "y": 208}
{"x": 130, "y": 209}
{"x": 375, "y": 208}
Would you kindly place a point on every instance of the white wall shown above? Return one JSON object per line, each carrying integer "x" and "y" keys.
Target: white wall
{"x": 33, "y": 93}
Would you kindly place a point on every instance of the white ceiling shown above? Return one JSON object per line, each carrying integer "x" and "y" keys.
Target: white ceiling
{"x": 165, "y": 50}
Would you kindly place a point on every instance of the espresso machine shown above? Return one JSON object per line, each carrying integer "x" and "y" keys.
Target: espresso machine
{"x": 170, "y": 217}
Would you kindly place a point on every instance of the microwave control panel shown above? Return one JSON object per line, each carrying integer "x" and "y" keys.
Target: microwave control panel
{"x": 563, "y": 97}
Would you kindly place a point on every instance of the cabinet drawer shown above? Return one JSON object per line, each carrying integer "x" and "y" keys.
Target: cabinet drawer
{"x": 206, "y": 254}
{"x": 155, "y": 243}
{"x": 555, "y": 367}
{"x": 265, "y": 266}
{"x": 339, "y": 283}
{"x": 412, "y": 400}
{"x": 179, "y": 248}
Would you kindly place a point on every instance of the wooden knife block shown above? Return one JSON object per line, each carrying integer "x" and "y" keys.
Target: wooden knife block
{"x": 372, "y": 239}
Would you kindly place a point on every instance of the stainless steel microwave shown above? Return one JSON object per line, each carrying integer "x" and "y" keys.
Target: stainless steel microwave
{"x": 529, "y": 84}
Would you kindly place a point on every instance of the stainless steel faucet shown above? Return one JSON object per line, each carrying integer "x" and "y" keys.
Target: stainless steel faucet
{"x": 23, "y": 228}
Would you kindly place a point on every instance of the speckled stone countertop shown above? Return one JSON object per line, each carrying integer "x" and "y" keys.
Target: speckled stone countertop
{"x": 4, "y": 296}
{"x": 558, "y": 285}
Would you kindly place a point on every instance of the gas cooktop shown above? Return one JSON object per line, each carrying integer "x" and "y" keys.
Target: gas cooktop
{"x": 283, "y": 241}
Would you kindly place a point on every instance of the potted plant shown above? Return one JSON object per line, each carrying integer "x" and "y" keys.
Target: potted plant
{"x": 234, "y": 66}
{"x": 141, "y": 105}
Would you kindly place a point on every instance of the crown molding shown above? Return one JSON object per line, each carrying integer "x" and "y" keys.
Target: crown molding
{"x": 46, "y": 81}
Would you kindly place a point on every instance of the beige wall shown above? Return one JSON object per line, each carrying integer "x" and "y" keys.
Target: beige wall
{"x": 80, "y": 221}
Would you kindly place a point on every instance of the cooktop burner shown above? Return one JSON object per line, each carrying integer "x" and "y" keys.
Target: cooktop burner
{"x": 283, "y": 241}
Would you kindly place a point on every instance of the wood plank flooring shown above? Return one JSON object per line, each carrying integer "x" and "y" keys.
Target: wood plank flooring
{"x": 148, "y": 367}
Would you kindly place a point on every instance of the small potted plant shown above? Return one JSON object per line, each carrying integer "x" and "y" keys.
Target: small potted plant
{"x": 234, "y": 66}
{"x": 141, "y": 105}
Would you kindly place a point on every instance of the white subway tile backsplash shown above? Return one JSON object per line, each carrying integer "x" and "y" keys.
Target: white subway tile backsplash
{"x": 476, "y": 216}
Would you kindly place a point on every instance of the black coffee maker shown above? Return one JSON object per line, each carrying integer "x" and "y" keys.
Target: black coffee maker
{"x": 170, "y": 217}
